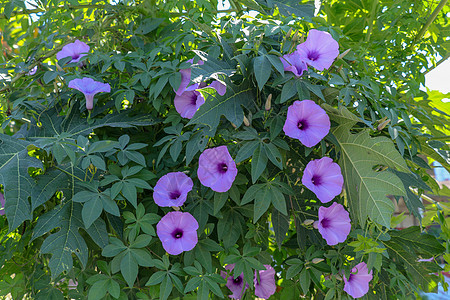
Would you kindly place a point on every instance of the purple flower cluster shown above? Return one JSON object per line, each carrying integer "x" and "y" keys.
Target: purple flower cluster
{"x": 188, "y": 99}
{"x": 88, "y": 86}
{"x": 318, "y": 51}
{"x": 264, "y": 285}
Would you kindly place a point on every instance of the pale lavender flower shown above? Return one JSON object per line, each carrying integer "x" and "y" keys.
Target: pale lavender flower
{"x": 178, "y": 232}
{"x": 217, "y": 169}
{"x": 89, "y": 87}
{"x": 236, "y": 285}
{"x": 189, "y": 101}
{"x": 265, "y": 287}
{"x": 334, "y": 223}
{"x": 319, "y": 50}
{"x": 76, "y": 50}
{"x": 294, "y": 63}
{"x": 324, "y": 178}
{"x": 307, "y": 122}
{"x": 172, "y": 189}
{"x": 357, "y": 285}
{"x": 32, "y": 71}
{"x": 186, "y": 77}
{"x": 2, "y": 202}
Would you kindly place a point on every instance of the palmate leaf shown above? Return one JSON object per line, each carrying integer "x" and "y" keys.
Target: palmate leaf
{"x": 229, "y": 105}
{"x": 51, "y": 127}
{"x": 67, "y": 217}
{"x": 359, "y": 154}
{"x": 211, "y": 68}
{"x": 14, "y": 164}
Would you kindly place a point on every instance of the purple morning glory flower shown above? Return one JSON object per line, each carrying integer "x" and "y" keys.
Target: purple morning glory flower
{"x": 178, "y": 232}
{"x": 2, "y": 202}
{"x": 89, "y": 87}
{"x": 266, "y": 286}
{"x": 319, "y": 50}
{"x": 334, "y": 223}
{"x": 32, "y": 71}
{"x": 188, "y": 102}
{"x": 294, "y": 63}
{"x": 172, "y": 189}
{"x": 236, "y": 285}
{"x": 217, "y": 169}
{"x": 76, "y": 50}
{"x": 357, "y": 285}
{"x": 186, "y": 77}
{"x": 324, "y": 178}
{"x": 307, "y": 122}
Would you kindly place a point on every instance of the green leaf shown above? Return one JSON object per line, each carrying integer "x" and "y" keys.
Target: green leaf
{"x": 289, "y": 7}
{"x": 288, "y": 91}
{"x": 211, "y": 68}
{"x": 274, "y": 155}
{"x": 67, "y": 240}
{"x": 415, "y": 241}
{"x": 129, "y": 268}
{"x": 156, "y": 278}
{"x": 367, "y": 189}
{"x": 165, "y": 288}
{"x": 259, "y": 162}
{"x": 14, "y": 164}
{"x": 262, "y": 68}
{"x": 280, "y": 224}
{"x": 91, "y": 211}
{"x": 229, "y": 105}
{"x": 67, "y": 217}
{"x": 262, "y": 202}
{"x": 98, "y": 290}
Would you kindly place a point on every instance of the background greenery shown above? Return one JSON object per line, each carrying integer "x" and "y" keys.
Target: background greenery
{"x": 50, "y": 150}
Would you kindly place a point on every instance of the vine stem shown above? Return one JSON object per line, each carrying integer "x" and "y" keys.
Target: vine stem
{"x": 430, "y": 20}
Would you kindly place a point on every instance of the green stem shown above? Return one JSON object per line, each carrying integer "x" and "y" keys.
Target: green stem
{"x": 430, "y": 20}
{"x": 373, "y": 13}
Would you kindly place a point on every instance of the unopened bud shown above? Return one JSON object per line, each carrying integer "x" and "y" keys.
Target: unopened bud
{"x": 317, "y": 260}
{"x": 338, "y": 277}
{"x": 383, "y": 124}
{"x": 246, "y": 122}
{"x": 288, "y": 34}
{"x": 58, "y": 67}
{"x": 268, "y": 102}
{"x": 302, "y": 39}
{"x": 308, "y": 222}
{"x": 295, "y": 37}
{"x": 232, "y": 124}
{"x": 340, "y": 68}
{"x": 176, "y": 208}
{"x": 343, "y": 54}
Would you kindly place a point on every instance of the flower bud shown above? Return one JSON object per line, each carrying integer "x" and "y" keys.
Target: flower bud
{"x": 383, "y": 124}
{"x": 246, "y": 122}
{"x": 176, "y": 208}
{"x": 295, "y": 37}
{"x": 232, "y": 124}
{"x": 308, "y": 222}
{"x": 343, "y": 54}
{"x": 317, "y": 260}
{"x": 288, "y": 34}
{"x": 268, "y": 102}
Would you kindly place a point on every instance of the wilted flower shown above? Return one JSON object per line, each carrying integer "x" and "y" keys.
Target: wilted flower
{"x": 235, "y": 285}
{"x": 76, "y": 50}
{"x": 334, "y": 223}
{"x": 2, "y": 202}
{"x": 172, "y": 189}
{"x": 307, "y": 122}
{"x": 319, "y": 50}
{"x": 357, "y": 285}
{"x": 293, "y": 62}
{"x": 324, "y": 178}
{"x": 217, "y": 169}
{"x": 265, "y": 287}
{"x": 178, "y": 232}
{"x": 89, "y": 87}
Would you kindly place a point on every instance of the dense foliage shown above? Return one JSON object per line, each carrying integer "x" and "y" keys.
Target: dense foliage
{"x": 80, "y": 184}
